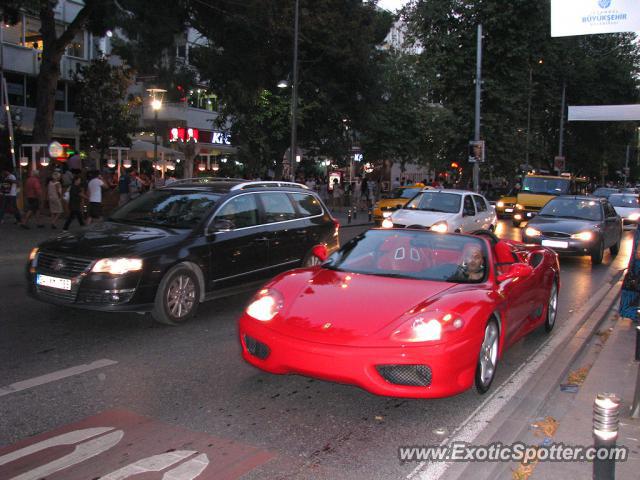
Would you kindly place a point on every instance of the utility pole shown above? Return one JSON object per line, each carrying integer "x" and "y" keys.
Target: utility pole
{"x": 476, "y": 136}
{"x": 294, "y": 97}
{"x": 561, "y": 141}
{"x": 626, "y": 166}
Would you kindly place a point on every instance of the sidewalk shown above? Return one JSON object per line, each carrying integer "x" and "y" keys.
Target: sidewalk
{"x": 613, "y": 371}
{"x": 358, "y": 219}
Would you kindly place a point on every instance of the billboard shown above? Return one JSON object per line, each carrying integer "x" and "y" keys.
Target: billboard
{"x": 584, "y": 17}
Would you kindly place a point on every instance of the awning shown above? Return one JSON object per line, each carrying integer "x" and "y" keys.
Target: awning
{"x": 144, "y": 150}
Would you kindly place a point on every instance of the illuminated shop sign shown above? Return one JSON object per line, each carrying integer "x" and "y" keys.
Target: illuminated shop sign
{"x": 179, "y": 134}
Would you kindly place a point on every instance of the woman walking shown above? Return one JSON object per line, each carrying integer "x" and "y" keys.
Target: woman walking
{"x": 75, "y": 202}
{"x": 54, "y": 195}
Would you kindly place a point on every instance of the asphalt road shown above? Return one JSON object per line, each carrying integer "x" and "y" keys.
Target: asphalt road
{"x": 193, "y": 377}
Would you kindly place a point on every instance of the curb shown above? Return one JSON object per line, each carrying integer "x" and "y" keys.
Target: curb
{"x": 485, "y": 426}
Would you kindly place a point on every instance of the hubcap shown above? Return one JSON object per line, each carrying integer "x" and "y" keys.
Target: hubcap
{"x": 181, "y": 296}
{"x": 553, "y": 305}
{"x": 489, "y": 353}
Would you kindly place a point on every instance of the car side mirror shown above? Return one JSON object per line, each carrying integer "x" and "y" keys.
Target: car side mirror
{"x": 320, "y": 252}
{"x": 515, "y": 270}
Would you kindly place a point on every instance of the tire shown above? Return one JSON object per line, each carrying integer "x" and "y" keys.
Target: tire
{"x": 615, "y": 248}
{"x": 488, "y": 357}
{"x": 597, "y": 253}
{"x": 178, "y": 296}
{"x": 552, "y": 307}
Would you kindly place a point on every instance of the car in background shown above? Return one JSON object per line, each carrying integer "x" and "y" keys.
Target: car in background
{"x": 577, "y": 225}
{"x": 174, "y": 247}
{"x": 506, "y": 204}
{"x": 445, "y": 211}
{"x": 397, "y": 312}
{"x": 627, "y": 206}
{"x": 398, "y": 197}
{"x": 605, "y": 192}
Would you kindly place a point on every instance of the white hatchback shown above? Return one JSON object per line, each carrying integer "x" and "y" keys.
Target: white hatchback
{"x": 627, "y": 206}
{"x": 445, "y": 211}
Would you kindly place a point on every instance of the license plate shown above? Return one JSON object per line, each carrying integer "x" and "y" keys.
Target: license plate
{"x": 53, "y": 282}
{"x": 555, "y": 244}
{"x": 508, "y": 210}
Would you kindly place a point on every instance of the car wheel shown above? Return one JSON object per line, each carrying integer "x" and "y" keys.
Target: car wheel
{"x": 177, "y": 297}
{"x": 598, "y": 253}
{"x": 615, "y": 248}
{"x": 488, "y": 358}
{"x": 552, "y": 307}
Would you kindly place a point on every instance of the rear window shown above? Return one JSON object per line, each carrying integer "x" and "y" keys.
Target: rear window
{"x": 308, "y": 205}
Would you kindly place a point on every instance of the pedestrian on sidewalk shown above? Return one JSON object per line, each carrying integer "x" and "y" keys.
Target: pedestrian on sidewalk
{"x": 33, "y": 195}
{"x": 95, "y": 187}
{"x": 123, "y": 188}
{"x": 630, "y": 295}
{"x": 8, "y": 195}
{"x": 336, "y": 194}
{"x": 76, "y": 194}
{"x": 54, "y": 195}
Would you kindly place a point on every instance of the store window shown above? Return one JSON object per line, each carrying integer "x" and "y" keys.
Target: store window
{"x": 32, "y": 35}
{"x": 12, "y": 33}
{"x": 15, "y": 88}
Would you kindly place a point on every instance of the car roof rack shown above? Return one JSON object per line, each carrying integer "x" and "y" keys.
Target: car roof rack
{"x": 266, "y": 184}
{"x": 205, "y": 180}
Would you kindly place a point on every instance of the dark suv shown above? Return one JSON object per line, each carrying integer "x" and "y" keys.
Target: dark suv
{"x": 174, "y": 247}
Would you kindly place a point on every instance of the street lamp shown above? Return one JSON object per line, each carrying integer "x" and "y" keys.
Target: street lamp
{"x": 156, "y": 95}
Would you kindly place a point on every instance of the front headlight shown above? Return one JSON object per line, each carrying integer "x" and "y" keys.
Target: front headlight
{"x": 440, "y": 227}
{"x": 532, "y": 232}
{"x": 634, "y": 216}
{"x": 33, "y": 253}
{"x": 584, "y": 236}
{"x": 387, "y": 223}
{"x": 117, "y": 266}
{"x": 500, "y": 204}
{"x": 265, "y": 305}
{"x": 427, "y": 327}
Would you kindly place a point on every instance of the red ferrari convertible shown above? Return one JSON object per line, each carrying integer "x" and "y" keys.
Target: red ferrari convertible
{"x": 404, "y": 313}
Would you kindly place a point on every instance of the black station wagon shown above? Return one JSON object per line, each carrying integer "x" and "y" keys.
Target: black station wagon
{"x": 174, "y": 247}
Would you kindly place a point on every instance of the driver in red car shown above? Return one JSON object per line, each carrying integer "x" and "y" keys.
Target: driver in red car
{"x": 472, "y": 266}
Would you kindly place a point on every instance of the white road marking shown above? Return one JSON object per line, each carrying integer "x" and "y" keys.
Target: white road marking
{"x": 188, "y": 470}
{"x": 471, "y": 427}
{"x": 150, "y": 464}
{"x": 54, "y": 376}
{"x": 64, "y": 439}
{"x": 82, "y": 452}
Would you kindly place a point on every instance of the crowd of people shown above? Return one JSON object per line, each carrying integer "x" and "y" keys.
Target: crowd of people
{"x": 69, "y": 194}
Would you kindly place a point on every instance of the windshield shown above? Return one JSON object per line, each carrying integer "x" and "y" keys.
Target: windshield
{"x": 404, "y": 192}
{"x": 629, "y": 201}
{"x": 410, "y": 254}
{"x": 435, "y": 202}
{"x": 573, "y": 208}
{"x": 167, "y": 208}
{"x": 553, "y": 186}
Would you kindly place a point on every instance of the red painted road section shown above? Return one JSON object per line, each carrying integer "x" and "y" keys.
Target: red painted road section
{"x": 134, "y": 438}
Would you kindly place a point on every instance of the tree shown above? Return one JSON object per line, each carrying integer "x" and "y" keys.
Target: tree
{"x": 522, "y": 64}
{"x": 96, "y": 16}
{"x": 250, "y": 50}
{"x": 103, "y": 116}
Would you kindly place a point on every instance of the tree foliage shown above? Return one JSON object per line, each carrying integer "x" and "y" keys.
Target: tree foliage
{"x": 520, "y": 62}
{"x": 105, "y": 120}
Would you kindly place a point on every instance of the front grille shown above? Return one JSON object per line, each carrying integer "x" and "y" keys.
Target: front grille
{"x": 56, "y": 294}
{"x": 256, "y": 348}
{"x": 62, "y": 265}
{"x": 556, "y": 234}
{"x": 412, "y": 375}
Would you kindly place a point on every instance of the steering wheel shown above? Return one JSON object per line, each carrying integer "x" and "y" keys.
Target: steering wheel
{"x": 493, "y": 238}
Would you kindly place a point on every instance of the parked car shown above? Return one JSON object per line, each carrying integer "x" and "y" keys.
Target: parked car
{"x": 627, "y": 206}
{"x": 174, "y": 247}
{"x": 445, "y": 211}
{"x": 605, "y": 192}
{"x": 397, "y": 198}
{"x": 403, "y": 312}
{"x": 577, "y": 225}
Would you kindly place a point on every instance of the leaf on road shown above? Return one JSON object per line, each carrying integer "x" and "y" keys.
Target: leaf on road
{"x": 546, "y": 427}
{"x": 577, "y": 377}
{"x": 379, "y": 417}
{"x": 523, "y": 472}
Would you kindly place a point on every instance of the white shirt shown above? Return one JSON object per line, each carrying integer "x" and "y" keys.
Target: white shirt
{"x": 12, "y": 178}
{"x": 95, "y": 190}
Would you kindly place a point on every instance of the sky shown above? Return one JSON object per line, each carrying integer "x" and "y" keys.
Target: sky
{"x": 391, "y": 5}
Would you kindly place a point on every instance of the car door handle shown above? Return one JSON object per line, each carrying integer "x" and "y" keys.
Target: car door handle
{"x": 261, "y": 239}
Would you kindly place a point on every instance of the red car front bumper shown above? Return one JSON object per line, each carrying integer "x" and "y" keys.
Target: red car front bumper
{"x": 452, "y": 365}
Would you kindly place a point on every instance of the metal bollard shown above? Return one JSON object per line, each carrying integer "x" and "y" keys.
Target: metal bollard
{"x": 605, "y": 433}
{"x": 635, "y": 407}
{"x": 349, "y": 215}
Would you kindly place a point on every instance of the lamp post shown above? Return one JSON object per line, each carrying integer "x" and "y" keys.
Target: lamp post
{"x": 156, "y": 95}
{"x": 294, "y": 95}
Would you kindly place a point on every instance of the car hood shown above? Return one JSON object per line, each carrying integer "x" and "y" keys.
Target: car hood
{"x": 342, "y": 308}
{"x": 420, "y": 217}
{"x": 626, "y": 211}
{"x": 110, "y": 239}
{"x": 562, "y": 225}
